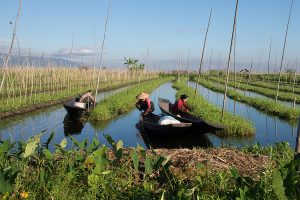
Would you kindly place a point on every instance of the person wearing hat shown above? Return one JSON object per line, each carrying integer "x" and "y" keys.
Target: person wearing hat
{"x": 180, "y": 106}
{"x": 144, "y": 103}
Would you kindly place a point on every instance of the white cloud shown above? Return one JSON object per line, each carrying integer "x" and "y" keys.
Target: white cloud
{"x": 75, "y": 52}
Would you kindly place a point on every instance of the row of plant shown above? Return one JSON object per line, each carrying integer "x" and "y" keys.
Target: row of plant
{"x": 17, "y": 104}
{"x": 234, "y": 124}
{"x": 123, "y": 101}
{"x": 265, "y": 105}
{"x": 263, "y": 84}
{"x": 25, "y": 81}
{"x": 273, "y": 86}
{"x": 94, "y": 171}
{"x": 284, "y": 96}
{"x": 287, "y": 78}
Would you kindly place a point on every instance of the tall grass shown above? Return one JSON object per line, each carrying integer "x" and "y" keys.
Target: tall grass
{"x": 27, "y": 86}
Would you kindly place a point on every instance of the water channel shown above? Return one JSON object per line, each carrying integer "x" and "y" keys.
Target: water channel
{"x": 55, "y": 119}
{"x": 268, "y": 129}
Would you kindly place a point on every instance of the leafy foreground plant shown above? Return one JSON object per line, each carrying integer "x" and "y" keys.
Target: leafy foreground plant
{"x": 94, "y": 171}
{"x": 234, "y": 124}
{"x": 123, "y": 101}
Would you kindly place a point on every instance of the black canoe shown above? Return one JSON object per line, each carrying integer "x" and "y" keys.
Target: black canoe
{"x": 74, "y": 110}
{"x": 166, "y": 106}
{"x": 150, "y": 122}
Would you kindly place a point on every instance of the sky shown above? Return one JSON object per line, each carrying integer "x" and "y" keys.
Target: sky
{"x": 163, "y": 34}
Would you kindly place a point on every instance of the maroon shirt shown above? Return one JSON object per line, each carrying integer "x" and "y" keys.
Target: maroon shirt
{"x": 179, "y": 107}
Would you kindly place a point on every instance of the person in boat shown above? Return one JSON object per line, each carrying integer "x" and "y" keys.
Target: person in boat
{"x": 180, "y": 106}
{"x": 144, "y": 104}
{"x": 88, "y": 99}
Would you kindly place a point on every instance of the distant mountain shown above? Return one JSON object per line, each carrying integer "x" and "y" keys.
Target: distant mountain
{"x": 36, "y": 61}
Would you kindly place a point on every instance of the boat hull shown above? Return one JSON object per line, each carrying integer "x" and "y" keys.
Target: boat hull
{"x": 166, "y": 106}
{"x": 150, "y": 123}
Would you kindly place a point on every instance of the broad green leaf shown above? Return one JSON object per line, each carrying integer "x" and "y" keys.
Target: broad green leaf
{"x": 31, "y": 146}
{"x": 234, "y": 173}
{"x": 106, "y": 172}
{"x": 119, "y": 145}
{"x": 100, "y": 159}
{"x": 277, "y": 185}
{"x": 135, "y": 159}
{"x": 63, "y": 143}
{"x": 148, "y": 165}
{"x": 5, "y": 186}
{"x": 48, "y": 154}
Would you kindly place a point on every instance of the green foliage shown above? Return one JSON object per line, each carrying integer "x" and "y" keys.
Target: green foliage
{"x": 133, "y": 65}
{"x": 93, "y": 171}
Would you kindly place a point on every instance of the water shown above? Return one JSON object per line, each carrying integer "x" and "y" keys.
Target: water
{"x": 254, "y": 94}
{"x": 269, "y": 129}
{"x": 122, "y": 128}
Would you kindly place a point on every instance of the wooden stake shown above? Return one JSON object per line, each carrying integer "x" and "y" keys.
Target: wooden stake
{"x": 269, "y": 59}
{"x": 281, "y": 63}
{"x": 229, "y": 57}
{"x": 101, "y": 54}
{"x": 200, "y": 66}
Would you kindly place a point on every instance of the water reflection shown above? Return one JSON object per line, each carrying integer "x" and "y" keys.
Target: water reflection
{"x": 72, "y": 125}
{"x": 189, "y": 139}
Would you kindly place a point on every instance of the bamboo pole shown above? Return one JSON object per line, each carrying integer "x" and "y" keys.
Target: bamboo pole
{"x": 11, "y": 45}
{"x": 270, "y": 48}
{"x": 229, "y": 57}
{"x": 282, "y": 56}
{"x": 102, "y": 47}
{"x": 203, "y": 49}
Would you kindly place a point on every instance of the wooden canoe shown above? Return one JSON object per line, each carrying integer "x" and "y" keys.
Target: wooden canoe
{"x": 75, "y": 111}
{"x": 150, "y": 122}
{"x": 166, "y": 107}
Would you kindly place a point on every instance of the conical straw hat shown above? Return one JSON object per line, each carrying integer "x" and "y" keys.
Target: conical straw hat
{"x": 143, "y": 95}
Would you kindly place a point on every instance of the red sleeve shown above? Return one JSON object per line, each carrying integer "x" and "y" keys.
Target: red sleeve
{"x": 148, "y": 103}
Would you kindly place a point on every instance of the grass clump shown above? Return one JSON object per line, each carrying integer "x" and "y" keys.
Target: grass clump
{"x": 234, "y": 124}
{"x": 123, "y": 101}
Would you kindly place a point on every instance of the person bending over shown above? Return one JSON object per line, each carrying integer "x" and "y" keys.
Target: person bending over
{"x": 144, "y": 103}
{"x": 88, "y": 99}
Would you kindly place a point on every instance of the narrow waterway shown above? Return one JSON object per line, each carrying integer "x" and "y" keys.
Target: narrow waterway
{"x": 254, "y": 94}
{"x": 55, "y": 119}
{"x": 269, "y": 129}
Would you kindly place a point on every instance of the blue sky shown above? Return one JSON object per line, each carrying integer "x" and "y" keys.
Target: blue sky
{"x": 166, "y": 28}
